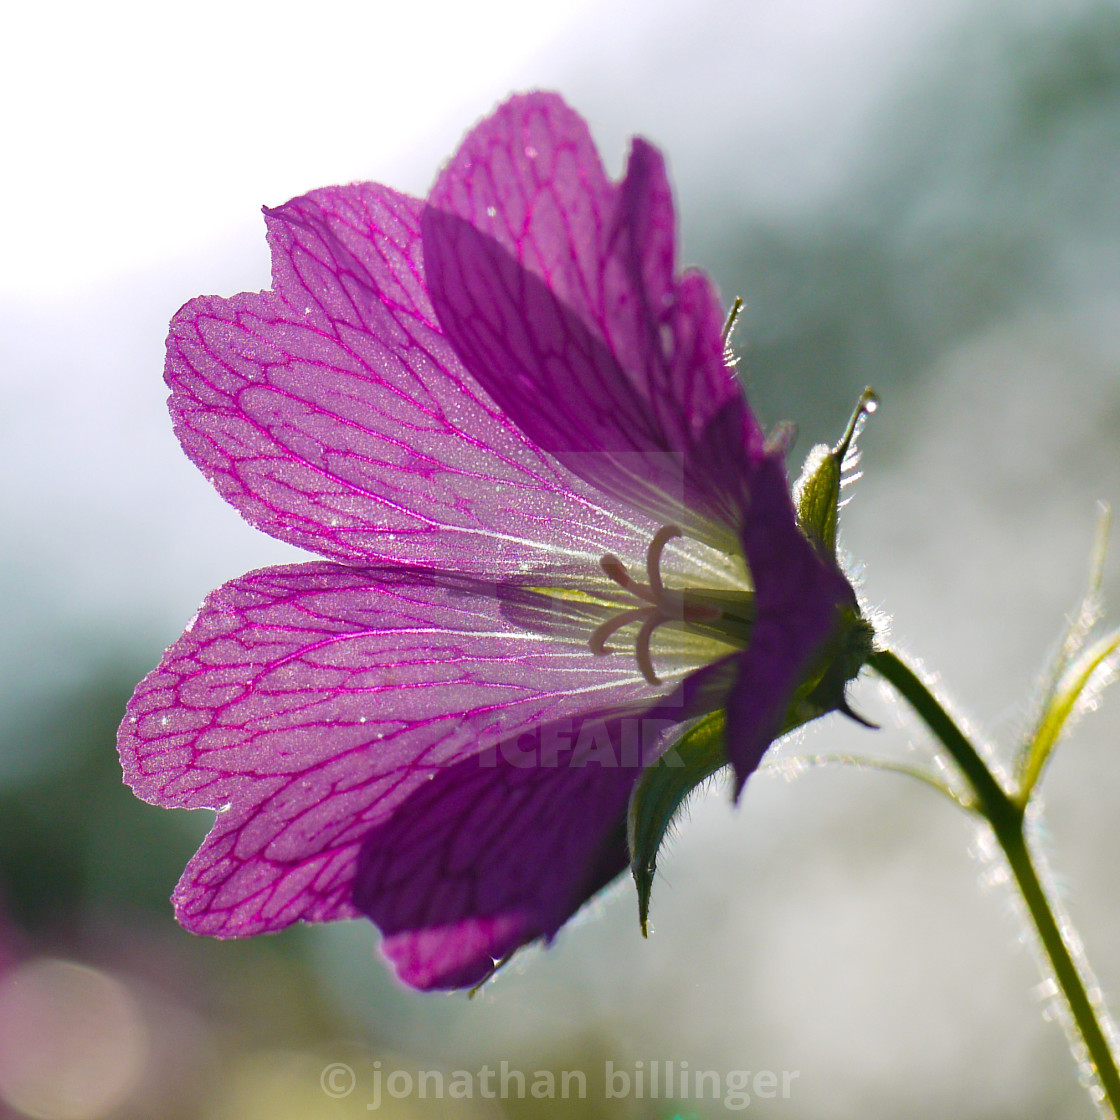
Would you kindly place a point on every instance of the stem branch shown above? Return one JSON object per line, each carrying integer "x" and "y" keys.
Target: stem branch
{"x": 1007, "y": 820}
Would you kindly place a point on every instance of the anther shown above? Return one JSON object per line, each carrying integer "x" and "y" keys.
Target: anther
{"x": 616, "y": 570}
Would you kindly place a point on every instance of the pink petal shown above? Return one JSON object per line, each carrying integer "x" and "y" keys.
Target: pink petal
{"x": 797, "y": 593}
{"x": 481, "y": 861}
{"x": 557, "y": 289}
{"x": 334, "y": 415}
{"x": 504, "y": 847}
{"x": 305, "y": 703}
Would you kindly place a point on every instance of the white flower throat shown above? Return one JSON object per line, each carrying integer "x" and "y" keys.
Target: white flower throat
{"x": 723, "y": 615}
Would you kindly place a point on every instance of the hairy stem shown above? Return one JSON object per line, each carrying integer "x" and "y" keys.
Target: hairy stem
{"x": 1006, "y": 818}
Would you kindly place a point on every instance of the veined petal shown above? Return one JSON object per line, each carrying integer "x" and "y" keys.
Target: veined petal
{"x": 334, "y": 414}
{"x": 797, "y": 595}
{"x": 666, "y": 331}
{"x": 305, "y": 703}
{"x": 530, "y": 178}
{"x": 557, "y": 289}
{"x": 503, "y": 848}
{"x": 493, "y": 408}
{"x": 484, "y": 859}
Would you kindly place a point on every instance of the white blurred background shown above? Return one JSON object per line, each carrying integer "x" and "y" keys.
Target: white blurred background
{"x": 917, "y": 196}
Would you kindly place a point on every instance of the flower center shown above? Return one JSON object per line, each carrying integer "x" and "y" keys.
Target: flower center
{"x": 661, "y": 604}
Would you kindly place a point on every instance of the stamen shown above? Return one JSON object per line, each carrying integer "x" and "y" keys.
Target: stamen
{"x": 653, "y": 558}
{"x": 598, "y": 639}
{"x": 664, "y": 605}
{"x": 641, "y": 649}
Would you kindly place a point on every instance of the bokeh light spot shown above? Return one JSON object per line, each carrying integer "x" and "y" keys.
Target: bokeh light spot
{"x": 72, "y": 1042}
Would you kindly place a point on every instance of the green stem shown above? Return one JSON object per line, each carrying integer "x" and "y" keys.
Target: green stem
{"x": 1006, "y": 818}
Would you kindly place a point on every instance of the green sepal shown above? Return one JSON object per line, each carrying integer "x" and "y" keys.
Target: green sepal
{"x": 701, "y": 751}
{"x": 839, "y": 662}
{"x": 661, "y": 791}
{"x": 816, "y": 494}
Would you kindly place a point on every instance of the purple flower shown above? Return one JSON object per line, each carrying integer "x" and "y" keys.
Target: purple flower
{"x": 508, "y": 427}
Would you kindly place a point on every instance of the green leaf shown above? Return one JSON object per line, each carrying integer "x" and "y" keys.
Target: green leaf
{"x": 1075, "y": 691}
{"x": 1073, "y": 675}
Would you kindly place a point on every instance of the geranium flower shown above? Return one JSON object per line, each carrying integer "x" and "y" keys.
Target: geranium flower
{"x": 552, "y": 533}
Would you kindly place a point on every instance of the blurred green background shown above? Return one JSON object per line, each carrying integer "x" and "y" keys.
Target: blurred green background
{"x": 920, "y": 197}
